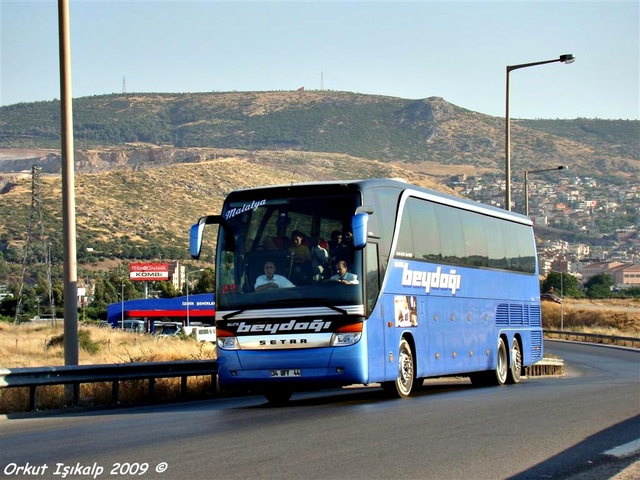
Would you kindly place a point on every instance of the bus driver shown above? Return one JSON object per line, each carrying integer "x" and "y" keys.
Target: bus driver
{"x": 344, "y": 277}
{"x": 270, "y": 280}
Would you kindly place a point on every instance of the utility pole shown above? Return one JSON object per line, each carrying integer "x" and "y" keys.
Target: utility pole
{"x": 68, "y": 193}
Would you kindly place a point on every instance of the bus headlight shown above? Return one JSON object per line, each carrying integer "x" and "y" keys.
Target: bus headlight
{"x": 228, "y": 343}
{"x": 342, "y": 339}
{"x": 347, "y": 335}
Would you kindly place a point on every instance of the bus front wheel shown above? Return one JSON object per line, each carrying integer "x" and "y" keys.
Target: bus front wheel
{"x": 405, "y": 379}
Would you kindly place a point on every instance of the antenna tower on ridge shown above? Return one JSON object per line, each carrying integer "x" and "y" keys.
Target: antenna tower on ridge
{"x": 124, "y": 86}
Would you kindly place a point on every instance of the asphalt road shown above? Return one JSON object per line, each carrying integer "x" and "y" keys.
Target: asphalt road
{"x": 546, "y": 427}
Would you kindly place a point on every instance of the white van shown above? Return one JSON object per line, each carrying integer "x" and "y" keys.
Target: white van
{"x": 203, "y": 333}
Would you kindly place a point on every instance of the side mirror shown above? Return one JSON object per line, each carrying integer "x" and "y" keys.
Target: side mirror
{"x": 195, "y": 239}
{"x": 359, "y": 223}
{"x": 195, "y": 234}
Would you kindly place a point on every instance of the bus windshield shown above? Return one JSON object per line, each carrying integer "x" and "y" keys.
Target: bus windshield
{"x": 281, "y": 251}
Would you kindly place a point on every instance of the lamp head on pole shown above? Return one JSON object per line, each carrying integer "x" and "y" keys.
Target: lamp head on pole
{"x": 561, "y": 167}
{"x": 567, "y": 58}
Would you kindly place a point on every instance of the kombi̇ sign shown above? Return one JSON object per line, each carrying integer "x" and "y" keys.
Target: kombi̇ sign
{"x": 149, "y": 272}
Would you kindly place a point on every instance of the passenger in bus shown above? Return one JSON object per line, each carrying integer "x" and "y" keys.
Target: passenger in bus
{"x": 336, "y": 239}
{"x": 301, "y": 271}
{"x": 339, "y": 246}
{"x": 320, "y": 260}
{"x": 343, "y": 276}
{"x": 270, "y": 279}
{"x": 300, "y": 251}
{"x": 347, "y": 239}
{"x": 335, "y": 243}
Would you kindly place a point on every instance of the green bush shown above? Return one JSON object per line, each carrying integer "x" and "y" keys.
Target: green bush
{"x": 84, "y": 342}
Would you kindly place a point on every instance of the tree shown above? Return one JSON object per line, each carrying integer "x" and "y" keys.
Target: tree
{"x": 166, "y": 290}
{"x": 630, "y": 292}
{"x": 563, "y": 284}
{"x": 206, "y": 283}
{"x": 103, "y": 293}
{"x": 599, "y": 286}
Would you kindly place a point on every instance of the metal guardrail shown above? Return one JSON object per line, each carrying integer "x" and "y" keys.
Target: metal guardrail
{"x": 78, "y": 374}
{"x": 593, "y": 338}
{"x": 33, "y": 378}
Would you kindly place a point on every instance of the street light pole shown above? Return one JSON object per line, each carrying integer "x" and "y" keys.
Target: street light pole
{"x": 566, "y": 58}
{"x": 561, "y": 304}
{"x": 122, "y": 304}
{"x": 526, "y": 183}
{"x": 186, "y": 278}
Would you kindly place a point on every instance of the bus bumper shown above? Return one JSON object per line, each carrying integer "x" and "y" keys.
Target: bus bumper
{"x": 296, "y": 369}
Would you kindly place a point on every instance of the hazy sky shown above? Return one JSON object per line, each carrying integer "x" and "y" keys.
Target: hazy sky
{"x": 455, "y": 50}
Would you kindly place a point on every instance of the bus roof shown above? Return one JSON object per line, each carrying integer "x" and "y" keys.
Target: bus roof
{"x": 364, "y": 184}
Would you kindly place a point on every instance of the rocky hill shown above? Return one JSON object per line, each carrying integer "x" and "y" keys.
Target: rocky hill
{"x": 420, "y": 134}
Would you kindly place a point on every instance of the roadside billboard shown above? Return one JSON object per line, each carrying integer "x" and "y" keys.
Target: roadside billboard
{"x": 148, "y": 272}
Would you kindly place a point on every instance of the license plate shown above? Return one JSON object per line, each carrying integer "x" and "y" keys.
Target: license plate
{"x": 285, "y": 373}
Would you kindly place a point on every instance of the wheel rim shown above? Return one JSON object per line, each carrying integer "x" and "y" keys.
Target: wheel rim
{"x": 501, "y": 369}
{"x": 405, "y": 371}
{"x": 516, "y": 362}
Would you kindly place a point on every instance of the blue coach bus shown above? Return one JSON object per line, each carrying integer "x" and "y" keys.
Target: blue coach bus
{"x": 438, "y": 286}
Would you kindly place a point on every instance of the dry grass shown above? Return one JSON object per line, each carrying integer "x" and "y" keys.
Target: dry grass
{"x": 604, "y": 317}
{"x": 36, "y": 345}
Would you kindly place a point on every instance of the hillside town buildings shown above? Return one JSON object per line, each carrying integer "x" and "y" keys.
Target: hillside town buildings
{"x": 602, "y": 220}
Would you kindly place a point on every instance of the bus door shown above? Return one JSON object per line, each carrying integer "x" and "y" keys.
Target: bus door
{"x": 376, "y": 323}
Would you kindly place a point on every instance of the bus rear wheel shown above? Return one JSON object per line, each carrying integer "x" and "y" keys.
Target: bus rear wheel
{"x": 500, "y": 373}
{"x": 405, "y": 382}
{"x": 515, "y": 363}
